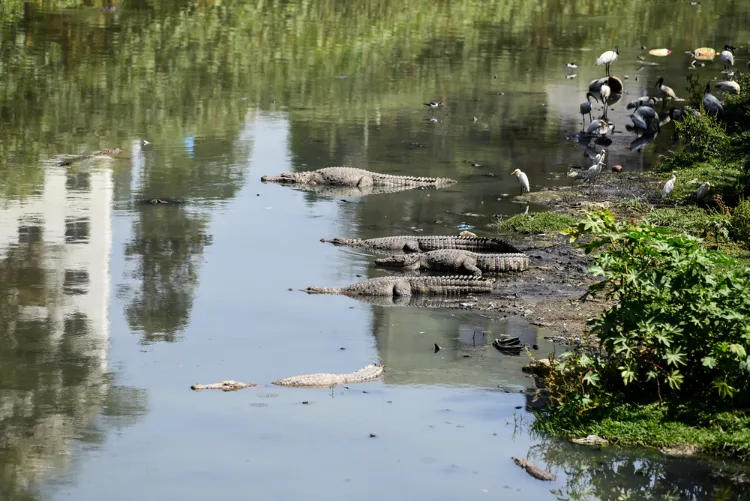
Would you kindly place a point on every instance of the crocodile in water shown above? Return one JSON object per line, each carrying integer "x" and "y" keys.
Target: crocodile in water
{"x": 407, "y": 286}
{"x": 97, "y": 154}
{"x": 414, "y": 243}
{"x": 351, "y": 176}
{"x": 369, "y": 372}
{"x": 457, "y": 261}
{"x": 534, "y": 470}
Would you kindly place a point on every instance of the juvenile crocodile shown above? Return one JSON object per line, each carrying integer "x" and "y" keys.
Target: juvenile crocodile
{"x": 408, "y": 286}
{"x": 369, "y": 372}
{"x": 351, "y": 176}
{"x": 458, "y": 261}
{"x": 534, "y": 470}
{"x": 414, "y": 243}
{"x": 228, "y": 385}
{"x": 97, "y": 154}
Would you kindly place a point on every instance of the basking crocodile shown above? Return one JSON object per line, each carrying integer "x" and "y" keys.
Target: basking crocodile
{"x": 414, "y": 243}
{"x": 407, "y": 286}
{"x": 327, "y": 190}
{"x": 97, "y": 154}
{"x": 351, "y": 176}
{"x": 369, "y": 372}
{"x": 458, "y": 261}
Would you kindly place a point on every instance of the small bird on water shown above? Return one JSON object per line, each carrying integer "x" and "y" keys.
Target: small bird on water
{"x": 522, "y": 180}
{"x": 571, "y": 66}
{"x": 433, "y": 104}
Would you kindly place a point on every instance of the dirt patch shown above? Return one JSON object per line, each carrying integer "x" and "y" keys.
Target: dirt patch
{"x": 548, "y": 294}
{"x": 609, "y": 191}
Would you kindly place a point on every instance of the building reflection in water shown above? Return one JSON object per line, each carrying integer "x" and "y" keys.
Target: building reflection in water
{"x": 55, "y": 249}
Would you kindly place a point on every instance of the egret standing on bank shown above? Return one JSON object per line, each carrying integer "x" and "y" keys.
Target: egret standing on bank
{"x": 586, "y": 108}
{"x": 669, "y": 186}
{"x": 608, "y": 58}
{"x": 522, "y": 180}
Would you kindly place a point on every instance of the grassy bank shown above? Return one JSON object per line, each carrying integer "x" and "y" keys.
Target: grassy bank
{"x": 668, "y": 365}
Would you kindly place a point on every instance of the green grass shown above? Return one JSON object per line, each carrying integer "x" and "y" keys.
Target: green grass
{"x": 540, "y": 222}
{"x": 725, "y": 434}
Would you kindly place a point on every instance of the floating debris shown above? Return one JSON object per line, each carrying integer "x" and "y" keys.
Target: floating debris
{"x": 660, "y": 52}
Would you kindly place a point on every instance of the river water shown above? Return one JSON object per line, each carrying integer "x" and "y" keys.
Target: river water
{"x": 110, "y": 309}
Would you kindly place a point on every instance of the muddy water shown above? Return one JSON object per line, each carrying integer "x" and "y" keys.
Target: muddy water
{"x": 111, "y": 309}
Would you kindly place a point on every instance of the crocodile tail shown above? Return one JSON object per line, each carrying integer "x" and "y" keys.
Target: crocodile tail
{"x": 322, "y": 290}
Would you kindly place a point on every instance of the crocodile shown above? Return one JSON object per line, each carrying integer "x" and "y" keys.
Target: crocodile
{"x": 457, "y": 261}
{"x": 108, "y": 153}
{"x": 534, "y": 470}
{"x": 330, "y": 191}
{"x": 228, "y": 385}
{"x": 351, "y": 176}
{"x": 407, "y": 286}
{"x": 414, "y": 243}
{"x": 369, "y": 372}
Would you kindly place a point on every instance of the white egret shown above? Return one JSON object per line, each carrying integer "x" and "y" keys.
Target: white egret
{"x": 669, "y": 186}
{"x": 702, "y": 191}
{"x": 593, "y": 171}
{"x": 522, "y": 180}
{"x": 727, "y": 56}
{"x": 728, "y": 86}
{"x": 608, "y": 58}
{"x": 586, "y": 107}
{"x": 710, "y": 102}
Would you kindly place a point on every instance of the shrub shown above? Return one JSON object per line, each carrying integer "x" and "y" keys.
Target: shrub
{"x": 741, "y": 222}
{"x": 540, "y": 222}
{"x": 679, "y": 329}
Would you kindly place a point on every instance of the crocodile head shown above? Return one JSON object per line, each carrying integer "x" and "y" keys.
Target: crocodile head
{"x": 398, "y": 260}
{"x": 288, "y": 177}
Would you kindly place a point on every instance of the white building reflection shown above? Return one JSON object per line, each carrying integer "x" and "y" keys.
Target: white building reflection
{"x": 55, "y": 248}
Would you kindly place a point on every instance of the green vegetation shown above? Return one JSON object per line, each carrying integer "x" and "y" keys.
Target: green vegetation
{"x": 539, "y": 222}
{"x": 676, "y": 341}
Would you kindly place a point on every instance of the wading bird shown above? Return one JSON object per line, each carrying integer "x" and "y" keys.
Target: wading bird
{"x": 665, "y": 91}
{"x": 433, "y": 104}
{"x": 702, "y": 191}
{"x": 586, "y": 108}
{"x": 727, "y": 56}
{"x": 728, "y": 86}
{"x": 595, "y": 169}
{"x": 710, "y": 102}
{"x": 669, "y": 186}
{"x": 608, "y": 58}
{"x": 522, "y": 180}
{"x": 605, "y": 91}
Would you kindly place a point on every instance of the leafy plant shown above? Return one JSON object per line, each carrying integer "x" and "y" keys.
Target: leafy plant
{"x": 680, "y": 327}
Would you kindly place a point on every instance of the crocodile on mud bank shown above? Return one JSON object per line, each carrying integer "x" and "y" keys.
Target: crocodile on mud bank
{"x": 457, "y": 261}
{"x": 367, "y": 373}
{"x": 414, "y": 243}
{"x": 108, "y": 153}
{"x": 351, "y": 176}
{"x": 408, "y": 286}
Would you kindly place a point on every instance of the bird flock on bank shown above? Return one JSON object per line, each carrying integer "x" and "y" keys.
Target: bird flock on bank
{"x": 646, "y": 119}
